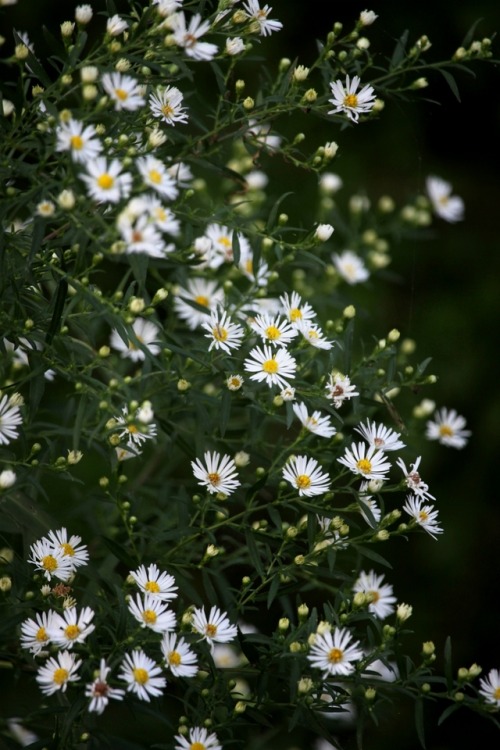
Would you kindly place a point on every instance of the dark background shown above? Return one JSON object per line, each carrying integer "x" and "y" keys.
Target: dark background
{"x": 445, "y": 295}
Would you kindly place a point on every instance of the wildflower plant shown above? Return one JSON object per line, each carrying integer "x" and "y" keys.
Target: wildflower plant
{"x": 196, "y": 453}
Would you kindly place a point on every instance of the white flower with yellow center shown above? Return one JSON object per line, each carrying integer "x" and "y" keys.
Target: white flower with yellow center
{"x": 125, "y": 91}
{"x": 216, "y": 628}
{"x": 35, "y": 633}
{"x": 199, "y": 293}
{"x": 295, "y": 310}
{"x": 166, "y": 104}
{"x": 315, "y": 423}
{"x": 152, "y": 613}
{"x": 79, "y": 139}
{"x": 218, "y": 473}
{"x": 313, "y": 334}
{"x": 154, "y": 582}
{"x": 381, "y": 596}
{"x": 222, "y": 332}
{"x": 335, "y": 653}
{"x": 265, "y": 25}
{"x": 445, "y": 205}
{"x": 179, "y": 658}
{"x": 366, "y": 461}
{"x": 57, "y": 672}
{"x": 50, "y": 561}
{"x": 234, "y": 382}
{"x": 142, "y": 675}
{"x": 155, "y": 175}
{"x": 381, "y": 437}
{"x": 145, "y": 333}
{"x": 448, "y": 429}
{"x": 305, "y": 475}
{"x": 489, "y": 687}
{"x": 340, "y": 389}
{"x": 10, "y": 419}
{"x": 273, "y": 330}
{"x": 140, "y": 235}
{"x": 163, "y": 218}
{"x": 413, "y": 480}
{"x": 132, "y": 428}
{"x": 99, "y": 691}
{"x": 350, "y": 267}
{"x": 275, "y": 367}
{"x": 72, "y": 627}
{"x": 199, "y": 739}
{"x": 188, "y": 37}
{"x": 106, "y": 182}
{"x": 347, "y": 98}
{"x": 423, "y": 515}
{"x": 70, "y": 547}
{"x": 220, "y": 249}
{"x": 248, "y": 268}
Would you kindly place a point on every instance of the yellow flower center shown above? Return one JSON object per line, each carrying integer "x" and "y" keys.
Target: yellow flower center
{"x": 295, "y": 314}
{"x": 152, "y": 587}
{"x": 49, "y": 562}
{"x": 201, "y": 299}
{"x": 334, "y": 656}
{"x": 60, "y": 676}
{"x": 445, "y": 431}
{"x": 154, "y": 176}
{"x": 105, "y": 181}
{"x": 220, "y": 334}
{"x": 249, "y": 266}
{"x": 197, "y": 746}
{"x": 496, "y": 694}
{"x": 133, "y": 429}
{"x": 225, "y": 241}
{"x": 375, "y": 596}
{"x": 211, "y": 630}
{"x": 273, "y": 333}
{"x": 423, "y": 516}
{"x": 303, "y": 482}
{"x": 189, "y": 40}
{"x": 235, "y": 382}
{"x": 121, "y": 94}
{"x": 270, "y": 366}
{"x": 41, "y": 635}
{"x": 364, "y": 465}
{"x": 313, "y": 334}
{"x": 149, "y": 616}
{"x": 140, "y": 675}
{"x": 67, "y": 549}
{"x": 167, "y": 110}
{"x": 214, "y": 478}
{"x": 76, "y": 142}
{"x": 174, "y": 658}
{"x": 351, "y": 100}
{"x": 72, "y": 632}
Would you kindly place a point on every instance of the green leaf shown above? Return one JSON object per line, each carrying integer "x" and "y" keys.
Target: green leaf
{"x": 254, "y": 553}
{"x": 399, "y": 50}
{"x": 120, "y": 552}
{"x": 236, "y": 248}
{"x": 274, "y": 211}
{"x": 469, "y": 37}
{"x": 447, "y": 712}
{"x": 208, "y": 585}
{"x": 273, "y": 590}
{"x": 448, "y": 667}
{"x": 225, "y": 411}
{"x": 451, "y": 83}
{"x": 419, "y": 720}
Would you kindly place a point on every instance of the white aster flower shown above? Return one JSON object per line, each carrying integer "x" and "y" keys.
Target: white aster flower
{"x": 367, "y": 17}
{"x": 234, "y": 382}
{"x": 156, "y": 176}
{"x": 489, "y": 687}
{"x": 335, "y": 653}
{"x": 116, "y": 25}
{"x": 10, "y": 419}
{"x": 313, "y": 334}
{"x": 141, "y": 236}
{"x": 350, "y": 267}
{"x": 260, "y": 15}
{"x": 445, "y": 205}
{"x": 306, "y": 476}
{"x": 7, "y": 479}
{"x": 204, "y": 293}
{"x": 330, "y": 183}
{"x": 152, "y": 581}
{"x": 340, "y": 389}
{"x": 142, "y": 675}
{"x": 135, "y": 430}
{"x": 382, "y": 600}
{"x": 99, "y": 691}
{"x": 124, "y": 90}
{"x": 247, "y": 267}
{"x": 71, "y": 548}
{"x": 423, "y": 515}
{"x": 347, "y": 98}
{"x": 106, "y": 182}
{"x": 167, "y": 105}
{"x": 315, "y": 423}
{"x": 45, "y": 209}
{"x": 448, "y": 428}
{"x": 187, "y": 36}
{"x": 83, "y": 13}
{"x": 57, "y": 672}
{"x": 380, "y": 436}
{"x": 216, "y": 628}
{"x": 365, "y": 460}
{"x": 162, "y": 217}
{"x": 219, "y": 245}
{"x": 50, "y": 561}
{"x": 145, "y": 334}
{"x": 72, "y": 627}
{"x": 288, "y": 393}
{"x": 273, "y": 330}
{"x": 218, "y": 474}
{"x": 413, "y": 480}
{"x": 295, "y": 310}
{"x": 199, "y": 739}
{"x": 181, "y": 173}
{"x": 179, "y": 658}
{"x": 235, "y": 46}
{"x": 275, "y": 367}
{"x": 368, "y": 506}
{"x": 152, "y": 613}
{"x": 261, "y": 132}
{"x": 222, "y": 332}
{"x": 35, "y": 634}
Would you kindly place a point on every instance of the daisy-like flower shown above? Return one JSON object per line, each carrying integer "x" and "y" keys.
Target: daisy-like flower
{"x": 265, "y": 25}
{"x": 81, "y": 141}
{"x": 222, "y": 332}
{"x": 152, "y": 581}
{"x": 423, "y": 515}
{"x": 145, "y": 334}
{"x": 100, "y": 692}
{"x": 489, "y": 687}
{"x": 140, "y": 235}
{"x": 247, "y": 267}
{"x": 167, "y": 105}
{"x": 339, "y": 389}
{"x": 288, "y": 393}
{"x": 72, "y": 627}
{"x": 199, "y": 739}
{"x": 106, "y": 182}
{"x": 218, "y": 474}
{"x": 365, "y": 460}
{"x": 447, "y": 428}
{"x": 382, "y": 600}
{"x": 368, "y": 507}
{"x": 203, "y": 292}
{"x": 350, "y": 267}
{"x": 413, "y": 479}
{"x": 134, "y": 428}
{"x": 381, "y": 437}
{"x": 125, "y": 91}
{"x": 58, "y": 672}
{"x": 234, "y": 382}
{"x": 445, "y": 205}
{"x": 152, "y": 613}
{"x": 235, "y": 46}
{"x": 155, "y": 175}
{"x": 163, "y": 218}
{"x": 275, "y": 367}
{"x": 273, "y": 330}
{"x": 188, "y": 37}
{"x": 51, "y": 561}
{"x": 295, "y": 310}
{"x": 10, "y": 419}
{"x": 179, "y": 658}
{"x": 335, "y": 653}
{"x": 35, "y": 633}
{"x": 304, "y": 474}
{"x": 315, "y": 423}
{"x": 313, "y": 334}
{"x": 220, "y": 249}
{"x": 45, "y": 209}
{"x": 347, "y": 98}
{"x": 216, "y": 628}
{"x": 142, "y": 675}
{"x": 71, "y": 548}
